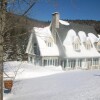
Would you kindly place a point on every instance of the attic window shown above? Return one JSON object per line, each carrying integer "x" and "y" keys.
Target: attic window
{"x": 76, "y": 46}
{"x": 88, "y": 45}
{"x": 36, "y": 49}
{"x": 49, "y": 43}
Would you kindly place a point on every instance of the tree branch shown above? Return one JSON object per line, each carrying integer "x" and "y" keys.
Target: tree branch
{"x": 29, "y": 8}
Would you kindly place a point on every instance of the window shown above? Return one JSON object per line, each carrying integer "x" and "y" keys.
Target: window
{"x": 96, "y": 61}
{"x": 76, "y": 46}
{"x": 50, "y": 61}
{"x": 45, "y": 62}
{"x": 31, "y": 59}
{"x": 56, "y": 62}
{"x": 49, "y": 43}
{"x": 36, "y": 49}
{"x": 88, "y": 44}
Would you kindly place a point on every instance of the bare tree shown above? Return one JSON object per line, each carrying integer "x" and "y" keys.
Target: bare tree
{"x": 5, "y": 27}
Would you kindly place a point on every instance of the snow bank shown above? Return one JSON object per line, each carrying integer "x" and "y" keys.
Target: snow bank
{"x": 10, "y": 68}
{"x": 28, "y": 70}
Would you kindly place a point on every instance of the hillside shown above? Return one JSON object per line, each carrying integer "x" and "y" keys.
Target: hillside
{"x": 94, "y": 23}
{"x": 18, "y": 32}
{"x": 17, "y": 35}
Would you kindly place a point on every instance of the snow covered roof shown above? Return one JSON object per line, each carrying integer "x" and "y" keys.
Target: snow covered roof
{"x": 82, "y": 36}
{"x": 44, "y": 36}
{"x": 67, "y": 33}
{"x": 93, "y": 37}
{"x": 83, "y": 53}
{"x": 64, "y": 22}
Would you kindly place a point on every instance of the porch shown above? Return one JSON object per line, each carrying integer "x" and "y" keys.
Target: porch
{"x": 81, "y": 63}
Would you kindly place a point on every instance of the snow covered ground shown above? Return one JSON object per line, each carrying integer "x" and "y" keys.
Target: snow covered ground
{"x": 52, "y": 83}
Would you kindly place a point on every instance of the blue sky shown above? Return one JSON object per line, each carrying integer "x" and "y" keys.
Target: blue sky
{"x": 68, "y": 9}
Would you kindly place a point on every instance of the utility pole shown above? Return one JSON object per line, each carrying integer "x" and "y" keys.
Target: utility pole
{"x": 3, "y": 4}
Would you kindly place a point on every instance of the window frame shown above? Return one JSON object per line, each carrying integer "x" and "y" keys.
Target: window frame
{"x": 76, "y": 45}
{"x": 88, "y": 45}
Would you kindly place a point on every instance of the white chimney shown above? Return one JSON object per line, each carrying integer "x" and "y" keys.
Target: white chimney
{"x": 55, "y": 20}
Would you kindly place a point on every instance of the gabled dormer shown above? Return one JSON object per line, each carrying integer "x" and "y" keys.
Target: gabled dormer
{"x": 76, "y": 44}
{"x": 49, "y": 42}
{"x": 88, "y": 44}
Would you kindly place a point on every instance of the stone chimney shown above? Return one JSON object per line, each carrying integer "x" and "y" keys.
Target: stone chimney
{"x": 55, "y": 20}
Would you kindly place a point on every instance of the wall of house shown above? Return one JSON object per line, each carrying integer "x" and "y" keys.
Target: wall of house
{"x": 49, "y": 61}
{"x": 31, "y": 59}
{"x": 81, "y": 63}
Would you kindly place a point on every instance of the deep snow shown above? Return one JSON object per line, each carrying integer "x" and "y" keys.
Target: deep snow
{"x": 51, "y": 83}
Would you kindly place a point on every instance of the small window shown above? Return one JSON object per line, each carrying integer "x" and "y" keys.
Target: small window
{"x": 88, "y": 45}
{"x": 35, "y": 44}
{"x": 30, "y": 59}
{"x": 49, "y": 44}
{"x": 76, "y": 46}
{"x": 45, "y": 62}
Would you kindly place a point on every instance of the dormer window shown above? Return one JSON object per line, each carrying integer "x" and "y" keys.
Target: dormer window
{"x": 76, "y": 44}
{"x": 88, "y": 45}
{"x": 49, "y": 43}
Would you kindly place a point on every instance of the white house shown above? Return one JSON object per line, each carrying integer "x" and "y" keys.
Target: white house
{"x": 67, "y": 44}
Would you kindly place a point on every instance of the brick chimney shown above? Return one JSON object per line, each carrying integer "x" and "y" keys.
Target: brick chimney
{"x": 55, "y": 20}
